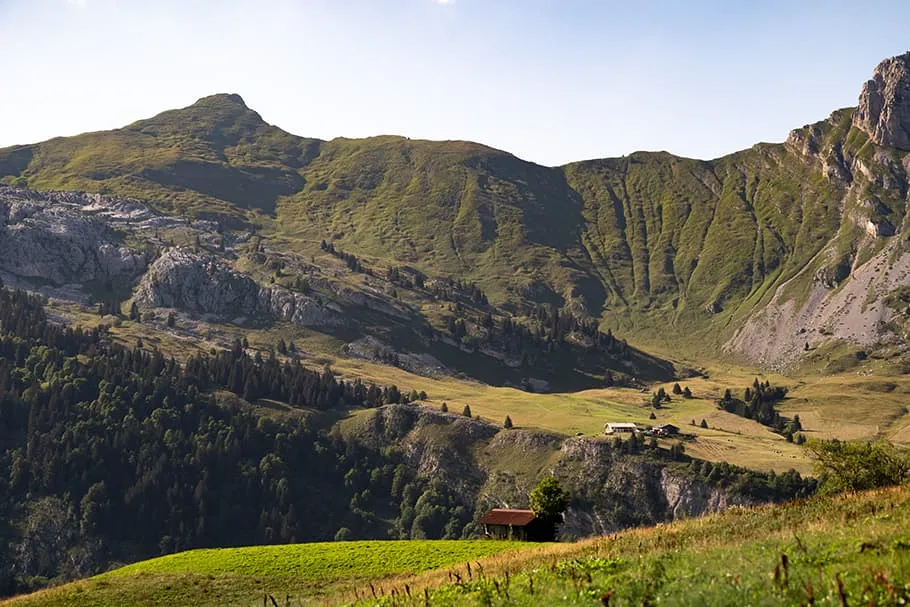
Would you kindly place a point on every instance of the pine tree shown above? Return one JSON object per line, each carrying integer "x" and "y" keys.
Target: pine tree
{"x": 508, "y": 423}
{"x": 444, "y": 408}
{"x": 687, "y": 393}
{"x": 467, "y": 411}
{"x": 676, "y": 389}
{"x": 704, "y": 424}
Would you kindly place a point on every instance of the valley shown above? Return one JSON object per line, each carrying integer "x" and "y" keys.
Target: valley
{"x": 243, "y": 337}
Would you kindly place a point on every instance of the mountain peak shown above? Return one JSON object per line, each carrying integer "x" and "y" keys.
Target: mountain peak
{"x": 223, "y": 98}
{"x": 884, "y": 103}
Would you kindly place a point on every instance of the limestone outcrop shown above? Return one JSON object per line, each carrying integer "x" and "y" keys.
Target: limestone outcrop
{"x": 884, "y": 104}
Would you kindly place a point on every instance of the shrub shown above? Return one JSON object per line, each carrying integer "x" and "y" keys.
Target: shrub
{"x": 845, "y": 466}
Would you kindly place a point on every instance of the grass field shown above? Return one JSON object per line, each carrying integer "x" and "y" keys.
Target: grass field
{"x": 862, "y": 403}
{"x": 843, "y": 550}
{"x": 304, "y": 574}
{"x": 846, "y": 550}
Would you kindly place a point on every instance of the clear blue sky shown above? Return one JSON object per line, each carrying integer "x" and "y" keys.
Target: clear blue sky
{"x": 551, "y": 81}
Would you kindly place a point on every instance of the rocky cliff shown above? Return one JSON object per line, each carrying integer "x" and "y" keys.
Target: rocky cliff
{"x": 884, "y": 104}
{"x": 489, "y": 466}
{"x": 203, "y": 284}
{"x": 64, "y": 239}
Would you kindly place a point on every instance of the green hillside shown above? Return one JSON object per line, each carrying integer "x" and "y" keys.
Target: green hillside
{"x": 849, "y": 549}
{"x": 655, "y": 245}
{"x": 243, "y": 576}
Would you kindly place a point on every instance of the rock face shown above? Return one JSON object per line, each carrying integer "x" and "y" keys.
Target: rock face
{"x": 884, "y": 104}
{"x": 202, "y": 284}
{"x": 610, "y": 490}
{"x": 52, "y": 239}
{"x": 195, "y": 283}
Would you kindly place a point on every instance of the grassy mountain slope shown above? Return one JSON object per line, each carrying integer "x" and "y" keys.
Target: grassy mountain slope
{"x": 214, "y": 157}
{"x": 850, "y": 549}
{"x": 243, "y": 576}
{"x": 653, "y": 244}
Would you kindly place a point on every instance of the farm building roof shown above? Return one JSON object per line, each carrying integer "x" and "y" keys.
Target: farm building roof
{"x": 621, "y": 425}
{"x": 503, "y": 516}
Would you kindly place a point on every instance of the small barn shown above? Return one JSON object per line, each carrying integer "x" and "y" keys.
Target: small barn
{"x": 666, "y": 430}
{"x": 509, "y": 524}
{"x": 617, "y": 428}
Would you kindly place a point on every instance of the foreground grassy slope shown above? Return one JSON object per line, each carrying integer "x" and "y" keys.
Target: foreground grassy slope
{"x": 846, "y": 550}
{"x": 849, "y": 549}
{"x": 242, "y": 576}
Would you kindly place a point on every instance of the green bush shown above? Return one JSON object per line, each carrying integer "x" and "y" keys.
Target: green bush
{"x": 846, "y": 466}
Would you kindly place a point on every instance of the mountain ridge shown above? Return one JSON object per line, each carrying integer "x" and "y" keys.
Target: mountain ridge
{"x": 650, "y": 242}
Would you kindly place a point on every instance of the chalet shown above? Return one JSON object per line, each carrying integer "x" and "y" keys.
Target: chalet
{"x": 666, "y": 430}
{"x": 508, "y": 524}
{"x": 617, "y": 428}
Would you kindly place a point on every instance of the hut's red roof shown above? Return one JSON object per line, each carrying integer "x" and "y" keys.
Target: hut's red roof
{"x": 502, "y": 516}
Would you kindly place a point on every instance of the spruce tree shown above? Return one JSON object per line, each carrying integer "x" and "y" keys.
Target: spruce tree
{"x": 508, "y": 423}
{"x": 467, "y": 411}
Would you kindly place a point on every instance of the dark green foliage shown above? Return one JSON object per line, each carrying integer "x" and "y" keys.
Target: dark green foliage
{"x": 110, "y": 454}
{"x": 548, "y": 500}
{"x": 847, "y": 466}
{"x": 507, "y": 424}
{"x": 676, "y": 389}
{"x": 444, "y": 408}
{"x": 761, "y": 398}
{"x": 687, "y": 393}
{"x": 466, "y": 411}
{"x": 703, "y": 424}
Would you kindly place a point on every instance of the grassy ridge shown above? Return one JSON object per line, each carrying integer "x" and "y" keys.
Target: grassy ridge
{"x": 242, "y": 576}
{"x": 666, "y": 250}
{"x": 846, "y": 550}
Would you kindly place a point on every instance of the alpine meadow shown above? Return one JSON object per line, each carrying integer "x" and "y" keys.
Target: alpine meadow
{"x": 241, "y": 367}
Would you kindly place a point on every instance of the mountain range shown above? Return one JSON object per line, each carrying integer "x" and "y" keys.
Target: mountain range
{"x": 765, "y": 254}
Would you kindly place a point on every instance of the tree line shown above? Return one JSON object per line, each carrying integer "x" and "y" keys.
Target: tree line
{"x": 112, "y": 454}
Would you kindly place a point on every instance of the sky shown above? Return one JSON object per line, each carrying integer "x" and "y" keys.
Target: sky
{"x": 551, "y": 81}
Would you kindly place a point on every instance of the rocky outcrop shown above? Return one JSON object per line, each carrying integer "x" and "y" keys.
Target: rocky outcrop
{"x": 884, "y": 104}
{"x": 493, "y": 467}
{"x": 202, "y": 284}
{"x": 195, "y": 283}
{"x": 48, "y": 239}
{"x": 612, "y": 490}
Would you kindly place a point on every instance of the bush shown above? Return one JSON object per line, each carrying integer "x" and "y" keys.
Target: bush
{"x": 548, "y": 500}
{"x": 845, "y": 466}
